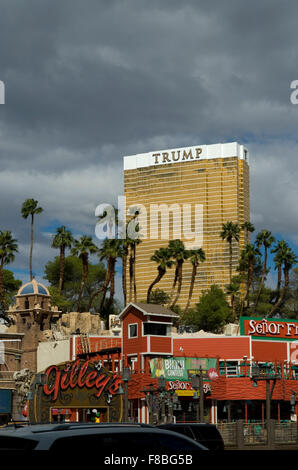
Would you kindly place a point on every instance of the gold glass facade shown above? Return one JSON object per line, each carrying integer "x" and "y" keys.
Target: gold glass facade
{"x": 221, "y": 186}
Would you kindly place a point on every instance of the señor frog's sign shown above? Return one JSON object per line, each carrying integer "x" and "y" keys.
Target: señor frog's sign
{"x": 269, "y": 328}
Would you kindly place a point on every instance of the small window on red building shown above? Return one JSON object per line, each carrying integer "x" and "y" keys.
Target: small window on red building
{"x": 155, "y": 329}
{"x": 133, "y": 330}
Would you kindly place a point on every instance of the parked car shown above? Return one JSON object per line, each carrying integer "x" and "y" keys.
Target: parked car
{"x": 206, "y": 434}
{"x": 109, "y": 441}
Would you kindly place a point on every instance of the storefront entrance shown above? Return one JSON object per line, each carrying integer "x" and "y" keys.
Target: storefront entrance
{"x": 80, "y": 415}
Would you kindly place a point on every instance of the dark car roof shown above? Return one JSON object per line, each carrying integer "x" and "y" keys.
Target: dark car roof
{"x": 46, "y": 434}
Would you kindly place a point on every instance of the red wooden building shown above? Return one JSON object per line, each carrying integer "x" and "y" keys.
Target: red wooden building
{"x": 237, "y": 370}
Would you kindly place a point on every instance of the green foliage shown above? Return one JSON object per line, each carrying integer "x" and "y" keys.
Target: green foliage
{"x": 291, "y": 303}
{"x": 11, "y": 285}
{"x": 60, "y": 300}
{"x": 160, "y": 297}
{"x": 264, "y": 304}
{"x": 230, "y": 231}
{"x": 8, "y": 247}
{"x": 72, "y": 282}
{"x": 29, "y": 207}
{"x": 62, "y": 238}
{"x": 211, "y": 313}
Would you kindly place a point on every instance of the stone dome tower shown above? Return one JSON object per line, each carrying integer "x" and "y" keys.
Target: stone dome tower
{"x": 33, "y": 295}
{"x": 32, "y": 314}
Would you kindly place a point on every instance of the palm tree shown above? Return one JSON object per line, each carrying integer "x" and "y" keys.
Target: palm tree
{"x": 163, "y": 259}
{"x": 110, "y": 219}
{"x": 124, "y": 257}
{"x": 279, "y": 250}
{"x": 232, "y": 290}
{"x": 29, "y": 208}
{"x": 8, "y": 248}
{"x": 133, "y": 243}
{"x": 289, "y": 260}
{"x": 62, "y": 240}
{"x": 179, "y": 254}
{"x": 196, "y": 257}
{"x": 247, "y": 227}
{"x": 230, "y": 232}
{"x": 248, "y": 258}
{"x": 82, "y": 248}
{"x": 265, "y": 239}
{"x": 110, "y": 250}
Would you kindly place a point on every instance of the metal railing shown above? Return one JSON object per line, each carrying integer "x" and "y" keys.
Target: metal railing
{"x": 241, "y": 435}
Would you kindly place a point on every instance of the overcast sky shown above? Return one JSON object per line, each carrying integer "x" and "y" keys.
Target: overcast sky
{"x": 88, "y": 82}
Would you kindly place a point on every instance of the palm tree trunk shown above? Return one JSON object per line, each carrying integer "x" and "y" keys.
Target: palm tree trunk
{"x": 192, "y": 283}
{"x": 2, "y": 292}
{"x": 249, "y": 283}
{"x": 134, "y": 274}
{"x": 262, "y": 281}
{"x": 130, "y": 274}
{"x": 174, "y": 284}
{"x": 179, "y": 281}
{"x": 112, "y": 284}
{"x": 233, "y": 305}
{"x": 282, "y": 296}
{"x": 103, "y": 288}
{"x": 161, "y": 273}
{"x": 31, "y": 247}
{"x": 62, "y": 265}
{"x": 83, "y": 281}
{"x": 124, "y": 278}
{"x": 278, "y": 284}
{"x": 231, "y": 260}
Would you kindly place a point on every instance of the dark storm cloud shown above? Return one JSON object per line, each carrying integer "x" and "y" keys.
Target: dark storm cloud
{"x": 84, "y": 76}
{"x": 88, "y": 82}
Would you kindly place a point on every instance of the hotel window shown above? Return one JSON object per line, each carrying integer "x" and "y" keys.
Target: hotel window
{"x": 133, "y": 330}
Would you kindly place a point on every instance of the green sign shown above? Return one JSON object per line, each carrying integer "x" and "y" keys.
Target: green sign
{"x": 172, "y": 368}
{"x": 181, "y": 368}
{"x": 194, "y": 365}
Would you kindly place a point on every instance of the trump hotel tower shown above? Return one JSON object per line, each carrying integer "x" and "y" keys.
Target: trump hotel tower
{"x": 188, "y": 194}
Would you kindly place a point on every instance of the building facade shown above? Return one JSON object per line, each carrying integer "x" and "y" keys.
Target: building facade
{"x": 187, "y": 194}
{"x": 32, "y": 314}
{"x": 10, "y": 363}
{"x": 242, "y": 375}
{"x": 237, "y": 371}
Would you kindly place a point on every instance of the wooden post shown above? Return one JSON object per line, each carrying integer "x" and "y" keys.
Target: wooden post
{"x": 201, "y": 397}
{"x": 240, "y": 436}
{"x": 268, "y": 401}
{"x": 270, "y": 433}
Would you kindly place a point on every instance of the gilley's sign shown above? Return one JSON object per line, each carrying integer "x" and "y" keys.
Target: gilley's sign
{"x": 269, "y": 328}
{"x": 77, "y": 375}
{"x": 75, "y": 385}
